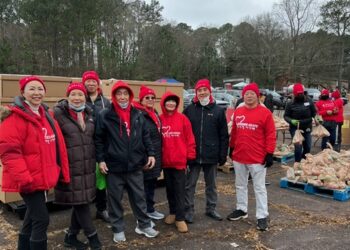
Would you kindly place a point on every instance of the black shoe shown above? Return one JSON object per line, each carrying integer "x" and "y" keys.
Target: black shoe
{"x": 262, "y": 224}
{"x": 71, "y": 241}
{"x": 94, "y": 242}
{"x": 103, "y": 215}
{"x": 189, "y": 218}
{"x": 214, "y": 215}
{"x": 236, "y": 215}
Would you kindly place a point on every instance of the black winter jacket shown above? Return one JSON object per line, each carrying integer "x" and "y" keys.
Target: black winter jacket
{"x": 303, "y": 111}
{"x": 156, "y": 138}
{"x": 209, "y": 127}
{"x": 81, "y": 156}
{"x": 100, "y": 103}
{"x": 120, "y": 152}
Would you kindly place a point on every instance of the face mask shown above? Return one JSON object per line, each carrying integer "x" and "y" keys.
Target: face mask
{"x": 77, "y": 109}
{"x": 123, "y": 105}
{"x": 205, "y": 101}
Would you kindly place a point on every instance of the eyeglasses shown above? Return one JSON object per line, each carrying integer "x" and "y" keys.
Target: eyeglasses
{"x": 150, "y": 98}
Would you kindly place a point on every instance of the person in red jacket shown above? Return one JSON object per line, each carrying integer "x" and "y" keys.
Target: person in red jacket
{"x": 339, "y": 103}
{"x": 329, "y": 111}
{"x": 253, "y": 141}
{"x": 178, "y": 147}
{"x": 34, "y": 158}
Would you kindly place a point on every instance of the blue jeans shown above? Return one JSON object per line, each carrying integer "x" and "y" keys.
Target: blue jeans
{"x": 331, "y": 126}
{"x": 300, "y": 150}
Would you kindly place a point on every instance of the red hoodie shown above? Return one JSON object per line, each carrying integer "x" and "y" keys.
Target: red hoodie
{"x": 253, "y": 135}
{"x": 339, "y": 117}
{"x": 178, "y": 143}
{"x": 325, "y": 105}
{"x": 124, "y": 114}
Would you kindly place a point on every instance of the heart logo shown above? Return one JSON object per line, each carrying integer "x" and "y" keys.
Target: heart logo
{"x": 240, "y": 119}
{"x": 165, "y": 129}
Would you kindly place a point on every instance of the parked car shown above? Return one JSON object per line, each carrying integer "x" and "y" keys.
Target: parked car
{"x": 219, "y": 97}
{"x": 187, "y": 99}
{"x": 277, "y": 100}
{"x": 314, "y": 94}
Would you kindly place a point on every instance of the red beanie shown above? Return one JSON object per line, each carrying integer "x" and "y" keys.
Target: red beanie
{"x": 203, "y": 83}
{"x": 325, "y": 92}
{"x": 336, "y": 94}
{"x": 145, "y": 91}
{"x": 251, "y": 86}
{"x": 298, "y": 88}
{"x": 90, "y": 75}
{"x": 75, "y": 85}
{"x": 25, "y": 80}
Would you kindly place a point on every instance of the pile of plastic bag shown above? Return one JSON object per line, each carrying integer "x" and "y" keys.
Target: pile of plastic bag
{"x": 328, "y": 169}
{"x": 283, "y": 149}
{"x": 280, "y": 123}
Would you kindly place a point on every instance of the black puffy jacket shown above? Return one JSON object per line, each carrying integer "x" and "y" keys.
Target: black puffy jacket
{"x": 209, "y": 127}
{"x": 100, "y": 103}
{"x": 303, "y": 111}
{"x": 120, "y": 152}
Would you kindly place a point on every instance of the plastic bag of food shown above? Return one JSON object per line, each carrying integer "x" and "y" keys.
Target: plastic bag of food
{"x": 320, "y": 132}
{"x": 298, "y": 137}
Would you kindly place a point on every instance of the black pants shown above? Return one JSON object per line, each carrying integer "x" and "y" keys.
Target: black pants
{"x": 175, "y": 181}
{"x": 101, "y": 199}
{"x": 150, "y": 186}
{"x": 36, "y": 219}
{"x": 339, "y": 125}
{"x": 81, "y": 219}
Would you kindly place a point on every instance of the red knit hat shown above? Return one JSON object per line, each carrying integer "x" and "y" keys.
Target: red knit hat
{"x": 75, "y": 85}
{"x": 203, "y": 83}
{"x": 325, "y": 92}
{"x": 251, "y": 86}
{"x": 145, "y": 91}
{"x": 298, "y": 88}
{"x": 336, "y": 94}
{"x": 90, "y": 75}
{"x": 25, "y": 80}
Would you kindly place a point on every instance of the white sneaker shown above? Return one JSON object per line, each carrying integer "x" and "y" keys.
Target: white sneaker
{"x": 119, "y": 237}
{"x": 152, "y": 224}
{"x": 149, "y": 232}
{"x": 156, "y": 215}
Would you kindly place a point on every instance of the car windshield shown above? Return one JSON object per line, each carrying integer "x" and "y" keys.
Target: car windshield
{"x": 313, "y": 91}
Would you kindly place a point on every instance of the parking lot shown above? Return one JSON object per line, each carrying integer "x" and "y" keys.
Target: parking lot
{"x": 297, "y": 221}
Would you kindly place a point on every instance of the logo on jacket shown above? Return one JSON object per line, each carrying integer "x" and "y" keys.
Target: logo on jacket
{"x": 48, "y": 138}
{"x": 166, "y": 132}
{"x": 245, "y": 125}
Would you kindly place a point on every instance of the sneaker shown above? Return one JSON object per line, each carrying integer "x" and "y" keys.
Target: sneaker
{"x": 156, "y": 215}
{"x": 149, "y": 232}
{"x": 262, "y": 224}
{"x": 103, "y": 215}
{"x": 236, "y": 215}
{"x": 119, "y": 237}
{"x": 152, "y": 224}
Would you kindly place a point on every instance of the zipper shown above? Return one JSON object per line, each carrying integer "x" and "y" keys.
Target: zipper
{"x": 201, "y": 138}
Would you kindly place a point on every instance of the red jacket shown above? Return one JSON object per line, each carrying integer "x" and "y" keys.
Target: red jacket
{"x": 340, "y": 105}
{"x": 325, "y": 105}
{"x": 178, "y": 143}
{"x": 28, "y": 152}
{"x": 253, "y": 135}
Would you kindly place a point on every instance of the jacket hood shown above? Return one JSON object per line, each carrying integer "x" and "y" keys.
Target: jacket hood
{"x": 121, "y": 84}
{"x": 5, "y": 111}
{"x": 336, "y": 94}
{"x": 166, "y": 96}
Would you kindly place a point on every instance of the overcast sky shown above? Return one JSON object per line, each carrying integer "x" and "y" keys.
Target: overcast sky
{"x": 198, "y": 13}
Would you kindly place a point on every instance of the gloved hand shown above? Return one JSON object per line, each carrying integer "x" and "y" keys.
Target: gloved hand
{"x": 191, "y": 162}
{"x": 268, "y": 160}
{"x": 294, "y": 122}
{"x": 222, "y": 162}
{"x": 230, "y": 152}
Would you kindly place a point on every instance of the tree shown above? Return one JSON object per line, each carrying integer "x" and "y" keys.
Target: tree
{"x": 336, "y": 19}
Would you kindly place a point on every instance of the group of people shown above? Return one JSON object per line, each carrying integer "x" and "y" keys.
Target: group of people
{"x": 129, "y": 143}
{"x": 301, "y": 111}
